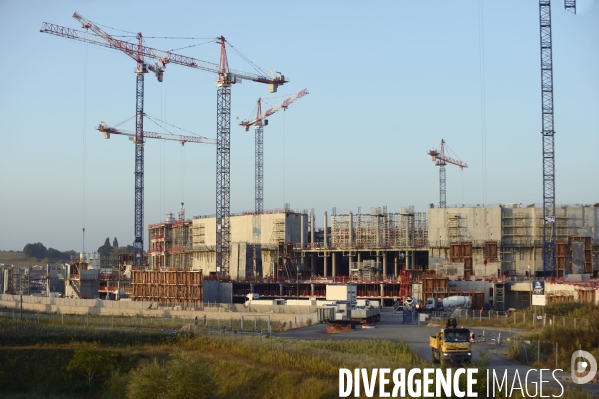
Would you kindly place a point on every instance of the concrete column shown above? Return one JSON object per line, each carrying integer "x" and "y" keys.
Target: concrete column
{"x": 334, "y": 263}
{"x": 396, "y": 266}
{"x": 359, "y": 258}
{"x": 312, "y": 231}
{"x": 302, "y": 232}
{"x": 281, "y": 289}
{"x": 324, "y": 259}
{"x": 302, "y": 241}
{"x": 251, "y": 288}
{"x": 384, "y": 263}
{"x": 312, "y": 289}
{"x": 378, "y": 232}
{"x": 313, "y": 263}
{"x": 351, "y": 230}
{"x": 382, "y": 293}
{"x": 325, "y": 231}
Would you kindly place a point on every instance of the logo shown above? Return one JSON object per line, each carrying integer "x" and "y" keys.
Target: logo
{"x": 538, "y": 288}
{"x": 579, "y": 367}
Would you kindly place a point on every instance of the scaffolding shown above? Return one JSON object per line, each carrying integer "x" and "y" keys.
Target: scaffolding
{"x": 181, "y": 238}
{"x": 170, "y": 243}
{"x": 380, "y": 229}
{"x": 457, "y": 225}
{"x": 278, "y": 231}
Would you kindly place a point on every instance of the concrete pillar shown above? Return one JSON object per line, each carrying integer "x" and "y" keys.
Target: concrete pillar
{"x": 324, "y": 259}
{"x": 281, "y": 289}
{"x": 302, "y": 232}
{"x": 334, "y": 263}
{"x": 313, "y": 263}
{"x": 312, "y": 289}
{"x": 302, "y": 241}
{"x": 251, "y": 288}
{"x": 312, "y": 231}
{"x": 396, "y": 268}
{"x": 359, "y": 258}
{"x": 382, "y": 292}
{"x": 325, "y": 231}
{"x": 384, "y": 263}
{"x": 378, "y": 232}
{"x": 351, "y": 230}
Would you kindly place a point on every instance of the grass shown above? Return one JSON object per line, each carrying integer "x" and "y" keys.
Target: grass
{"x": 33, "y": 360}
{"x": 18, "y": 259}
{"x": 562, "y": 314}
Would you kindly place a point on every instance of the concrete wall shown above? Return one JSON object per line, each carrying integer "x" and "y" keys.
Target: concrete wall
{"x": 217, "y": 292}
{"x": 475, "y": 224}
{"x": 271, "y": 224}
{"x": 142, "y": 308}
{"x": 274, "y": 227}
{"x": 517, "y": 229}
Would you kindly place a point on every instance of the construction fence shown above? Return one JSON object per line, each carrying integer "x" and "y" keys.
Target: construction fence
{"x": 225, "y": 323}
{"x": 520, "y": 319}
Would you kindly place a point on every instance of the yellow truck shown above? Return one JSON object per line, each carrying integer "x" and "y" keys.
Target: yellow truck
{"x": 451, "y": 345}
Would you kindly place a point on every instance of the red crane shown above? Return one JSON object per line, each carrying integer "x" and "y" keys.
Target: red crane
{"x": 440, "y": 160}
{"x": 226, "y": 77}
{"x": 260, "y": 121}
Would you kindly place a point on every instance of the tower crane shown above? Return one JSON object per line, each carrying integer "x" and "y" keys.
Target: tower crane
{"x": 259, "y": 122}
{"x": 225, "y": 78}
{"x": 548, "y": 132}
{"x": 107, "y": 130}
{"x": 137, "y": 53}
{"x": 440, "y": 160}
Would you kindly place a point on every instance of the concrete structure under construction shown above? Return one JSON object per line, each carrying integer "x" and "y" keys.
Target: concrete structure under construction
{"x": 481, "y": 251}
{"x": 508, "y": 239}
{"x": 191, "y": 244}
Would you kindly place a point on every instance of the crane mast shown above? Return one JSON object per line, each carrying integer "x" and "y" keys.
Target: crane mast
{"x": 259, "y": 175}
{"x": 440, "y": 160}
{"x": 259, "y": 122}
{"x": 223, "y": 163}
{"x": 548, "y": 133}
{"x": 226, "y": 77}
{"x": 137, "y": 53}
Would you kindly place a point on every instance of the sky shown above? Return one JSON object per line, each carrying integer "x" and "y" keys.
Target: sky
{"x": 387, "y": 81}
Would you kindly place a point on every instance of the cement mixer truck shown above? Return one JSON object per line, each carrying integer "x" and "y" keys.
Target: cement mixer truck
{"x": 449, "y": 303}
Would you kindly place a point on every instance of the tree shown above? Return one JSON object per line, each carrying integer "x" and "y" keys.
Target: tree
{"x": 147, "y": 381}
{"x": 56, "y": 254}
{"x": 116, "y": 385}
{"x": 105, "y": 249}
{"x": 37, "y": 250}
{"x": 90, "y": 363}
{"x": 185, "y": 376}
{"x": 189, "y": 377}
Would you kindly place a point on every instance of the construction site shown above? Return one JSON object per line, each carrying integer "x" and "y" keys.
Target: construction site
{"x": 488, "y": 252}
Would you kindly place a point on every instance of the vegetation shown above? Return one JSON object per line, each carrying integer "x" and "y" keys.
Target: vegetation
{"x": 114, "y": 249}
{"x": 39, "y": 252}
{"x": 539, "y": 348}
{"x": 49, "y": 361}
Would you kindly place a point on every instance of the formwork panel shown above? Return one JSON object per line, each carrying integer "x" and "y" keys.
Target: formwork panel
{"x": 168, "y": 287}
